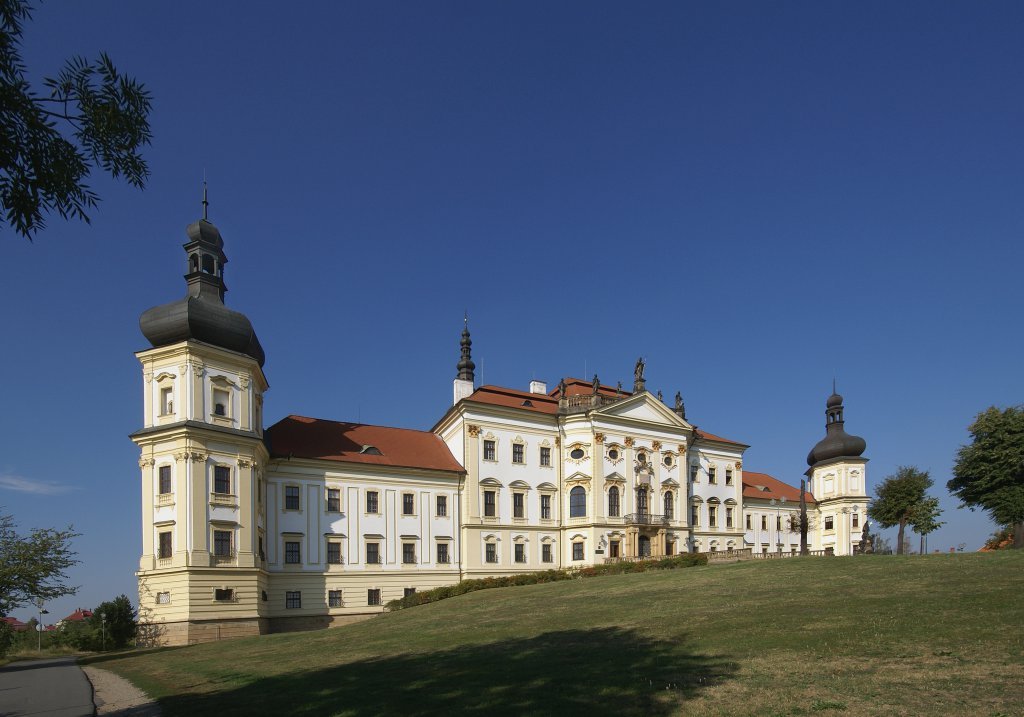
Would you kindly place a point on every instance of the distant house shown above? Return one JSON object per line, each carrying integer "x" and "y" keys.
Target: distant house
{"x": 16, "y": 624}
{"x": 77, "y": 616}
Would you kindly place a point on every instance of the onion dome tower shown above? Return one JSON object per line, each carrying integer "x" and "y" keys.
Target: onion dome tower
{"x": 837, "y": 443}
{"x": 202, "y": 460}
{"x": 201, "y": 314}
{"x": 838, "y": 481}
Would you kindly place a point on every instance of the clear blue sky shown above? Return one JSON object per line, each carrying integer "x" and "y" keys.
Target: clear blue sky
{"x": 754, "y": 196}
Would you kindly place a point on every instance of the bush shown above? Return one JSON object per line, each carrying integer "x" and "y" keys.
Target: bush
{"x": 672, "y": 562}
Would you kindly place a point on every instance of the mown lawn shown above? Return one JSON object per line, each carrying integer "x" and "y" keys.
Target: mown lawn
{"x": 871, "y": 635}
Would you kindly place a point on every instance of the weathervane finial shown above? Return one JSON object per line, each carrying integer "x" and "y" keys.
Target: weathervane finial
{"x": 206, "y": 201}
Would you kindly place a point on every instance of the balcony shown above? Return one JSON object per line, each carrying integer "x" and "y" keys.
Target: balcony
{"x": 225, "y": 499}
{"x": 582, "y": 404}
{"x": 645, "y": 519}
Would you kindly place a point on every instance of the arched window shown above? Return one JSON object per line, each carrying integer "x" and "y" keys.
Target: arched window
{"x": 668, "y": 505}
{"x": 641, "y": 500}
{"x": 613, "y": 502}
{"x": 577, "y": 502}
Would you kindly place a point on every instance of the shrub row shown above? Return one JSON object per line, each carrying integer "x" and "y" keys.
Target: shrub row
{"x": 685, "y": 560}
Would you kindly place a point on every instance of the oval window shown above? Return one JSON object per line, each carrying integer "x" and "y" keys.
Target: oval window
{"x": 613, "y": 454}
{"x": 668, "y": 460}
{"x": 576, "y": 454}
{"x": 641, "y": 457}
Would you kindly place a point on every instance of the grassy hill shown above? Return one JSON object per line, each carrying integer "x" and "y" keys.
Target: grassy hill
{"x": 931, "y": 635}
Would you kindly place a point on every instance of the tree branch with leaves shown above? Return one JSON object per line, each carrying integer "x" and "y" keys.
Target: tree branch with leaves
{"x": 32, "y": 566}
{"x": 989, "y": 472}
{"x": 94, "y": 116}
{"x": 902, "y": 499}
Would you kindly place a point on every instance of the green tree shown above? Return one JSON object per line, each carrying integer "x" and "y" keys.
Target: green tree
{"x": 989, "y": 472}
{"x": 32, "y": 566}
{"x": 902, "y": 500}
{"x": 120, "y": 623}
{"x": 924, "y": 518}
{"x": 94, "y": 116}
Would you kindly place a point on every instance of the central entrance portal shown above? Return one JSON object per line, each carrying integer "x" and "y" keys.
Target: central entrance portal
{"x": 645, "y": 546}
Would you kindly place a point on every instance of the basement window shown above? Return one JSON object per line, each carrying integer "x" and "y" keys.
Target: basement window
{"x": 224, "y": 594}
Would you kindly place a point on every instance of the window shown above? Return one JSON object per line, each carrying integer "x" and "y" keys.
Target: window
{"x": 373, "y": 596}
{"x": 712, "y": 473}
{"x": 577, "y": 454}
{"x": 520, "y": 553}
{"x": 764, "y": 522}
{"x": 373, "y": 553}
{"x": 371, "y": 501}
{"x": 489, "y": 451}
{"x": 220, "y": 402}
{"x": 694, "y": 470}
{"x": 408, "y": 553}
{"x": 728, "y": 517}
{"x": 728, "y": 476}
{"x": 712, "y": 516}
{"x": 828, "y": 523}
{"x": 442, "y": 506}
{"x": 165, "y": 479}
{"x": 518, "y": 505}
{"x": 165, "y": 546}
{"x": 517, "y": 452}
{"x": 334, "y": 598}
{"x": 333, "y": 552}
{"x": 163, "y": 598}
{"x": 222, "y": 479}
{"x": 222, "y": 543}
{"x": 293, "y": 599}
{"x": 490, "y": 507}
{"x": 695, "y": 515}
{"x": 545, "y": 553}
{"x": 408, "y": 504}
{"x": 166, "y": 401}
{"x": 613, "y": 454}
{"x": 641, "y": 500}
{"x": 614, "y": 549}
{"x": 578, "y": 502}
{"x": 613, "y": 502}
{"x": 545, "y": 456}
{"x": 292, "y": 551}
{"x": 291, "y": 497}
{"x": 577, "y": 550}
{"x": 223, "y": 594}
{"x": 748, "y": 523}
{"x": 778, "y": 522}
{"x": 408, "y": 591}
{"x": 333, "y": 500}
{"x": 261, "y": 554}
{"x": 442, "y": 553}
{"x": 669, "y": 507}
{"x": 667, "y": 459}
{"x": 545, "y": 507}
{"x": 491, "y": 553}
{"x": 856, "y": 520}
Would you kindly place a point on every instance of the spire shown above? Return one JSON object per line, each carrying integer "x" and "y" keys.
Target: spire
{"x": 206, "y": 201}
{"x": 466, "y": 365}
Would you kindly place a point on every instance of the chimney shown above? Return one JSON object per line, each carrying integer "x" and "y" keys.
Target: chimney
{"x": 538, "y": 387}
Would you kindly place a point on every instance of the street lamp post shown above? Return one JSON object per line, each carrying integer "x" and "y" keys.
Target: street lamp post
{"x": 39, "y": 626}
{"x": 103, "y": 630}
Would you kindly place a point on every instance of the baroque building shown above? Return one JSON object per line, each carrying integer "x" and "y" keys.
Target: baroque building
{"x": 317, "y": 522}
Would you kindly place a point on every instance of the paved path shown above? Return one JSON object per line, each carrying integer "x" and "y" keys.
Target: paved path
{"x": 53, "y": 687}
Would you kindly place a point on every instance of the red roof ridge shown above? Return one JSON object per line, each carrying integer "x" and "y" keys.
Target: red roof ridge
{"x": 513, "y": 392}
{"x": 311, "y": 419}
{"x": 754, "y": 481}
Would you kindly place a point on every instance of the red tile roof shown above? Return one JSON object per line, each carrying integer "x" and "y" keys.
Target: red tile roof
{"x": 763, "y": 486}
{"x": 701, "y": 433}
{"x": 582, "y": 387}
{"x": 303, "y": 437}
{"x": 510, "y": 397}
{"x": 16, "y": 624}
{"x": 78, "y": 615}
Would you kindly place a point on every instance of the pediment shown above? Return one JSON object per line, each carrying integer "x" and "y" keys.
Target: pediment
{"x": 491, "y": 482}
{"x": 670, "y": 482}
{"x": 643, "y": 407}
{"x": 520, "y": 484}
{"x": 579, "y": 477}
{"x": 615, "y": 477}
